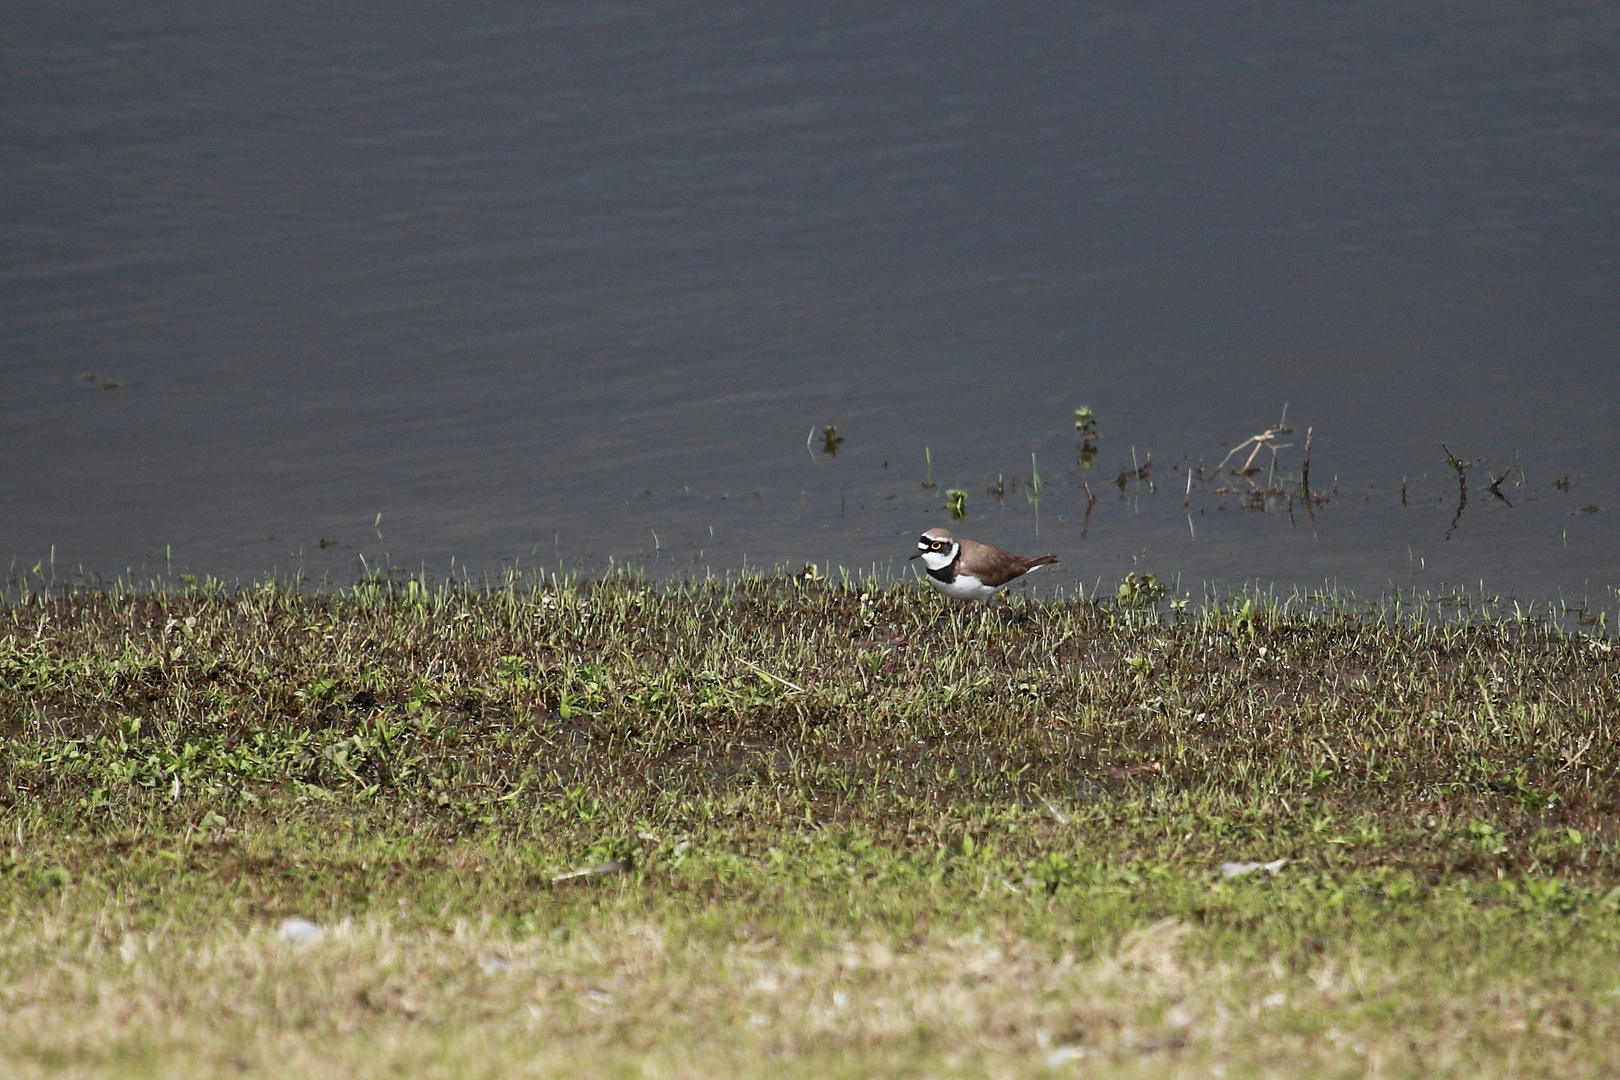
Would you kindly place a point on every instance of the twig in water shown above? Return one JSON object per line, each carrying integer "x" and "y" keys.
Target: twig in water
{"x": 1136, "y": 473}
{"x": 1305, "y": 483}
{"x": 1462, "y": 468}
{"x": 1185, "y": 500}
{"x": 1305, "y": 470}
{"x": 1496, "y": 482}
{"x": 1033, "y": 492}
{"x": 1266, "y": 440}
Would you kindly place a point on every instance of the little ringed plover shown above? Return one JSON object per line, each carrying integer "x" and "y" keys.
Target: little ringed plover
{"x": 969, "y": 570}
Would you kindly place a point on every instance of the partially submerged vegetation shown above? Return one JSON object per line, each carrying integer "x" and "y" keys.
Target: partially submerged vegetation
{"x": 832, "y": 829}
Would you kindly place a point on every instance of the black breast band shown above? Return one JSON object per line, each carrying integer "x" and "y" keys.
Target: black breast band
{"x": 946, "y": 573}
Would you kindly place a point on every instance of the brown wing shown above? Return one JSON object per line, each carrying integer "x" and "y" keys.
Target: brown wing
{"x": 995, "y": 567}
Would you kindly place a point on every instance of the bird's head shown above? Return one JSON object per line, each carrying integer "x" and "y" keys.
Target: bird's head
{"x": 936, "y": 548}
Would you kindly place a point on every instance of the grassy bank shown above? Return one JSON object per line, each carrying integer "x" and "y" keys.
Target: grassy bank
{"x": 832, "y": 831}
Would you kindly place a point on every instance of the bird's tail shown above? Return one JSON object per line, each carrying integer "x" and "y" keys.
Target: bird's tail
{"x": 1042, "y": 560}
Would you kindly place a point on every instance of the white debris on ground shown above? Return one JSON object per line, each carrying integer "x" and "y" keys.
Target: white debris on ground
{"x": 1238, "y": 869}
{"x": 299, "y": 932}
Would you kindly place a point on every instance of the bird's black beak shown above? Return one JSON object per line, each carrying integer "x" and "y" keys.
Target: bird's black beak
{"x": 916, "y": 556}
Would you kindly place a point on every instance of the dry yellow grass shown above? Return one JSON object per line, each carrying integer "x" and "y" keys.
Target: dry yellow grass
{"x": 622, "y": 997}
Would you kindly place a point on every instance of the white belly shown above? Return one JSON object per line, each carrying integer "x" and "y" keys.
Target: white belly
{"x": 965, "y": 587}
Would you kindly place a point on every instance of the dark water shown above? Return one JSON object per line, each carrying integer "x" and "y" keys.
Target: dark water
{"x": 564, "y": 283}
